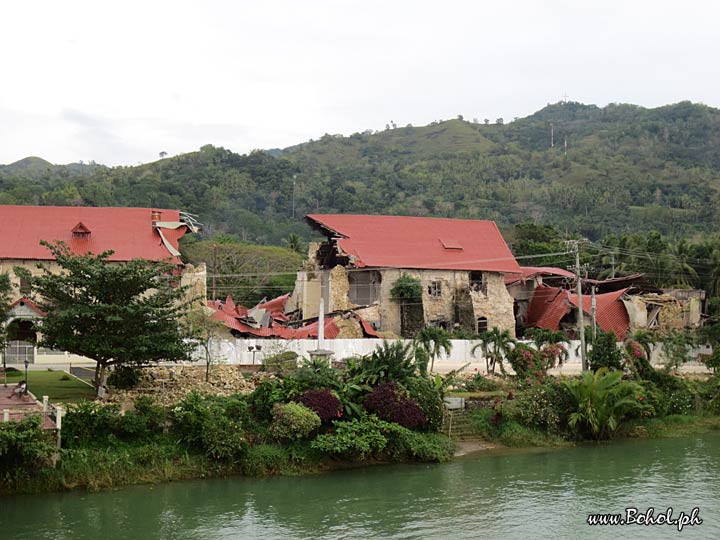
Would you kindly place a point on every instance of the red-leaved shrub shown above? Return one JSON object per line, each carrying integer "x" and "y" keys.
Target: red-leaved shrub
{"x": 323, "y": 402}
{"x": 391, "y": 403}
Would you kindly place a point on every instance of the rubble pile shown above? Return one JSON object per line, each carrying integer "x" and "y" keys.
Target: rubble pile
{"x": 171, "y": 384}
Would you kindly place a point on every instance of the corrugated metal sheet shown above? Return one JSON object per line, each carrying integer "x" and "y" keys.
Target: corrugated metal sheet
{"x": 129, "y": 232}
{"x": 415, "y": 242}
{"x": 550, "y": 304}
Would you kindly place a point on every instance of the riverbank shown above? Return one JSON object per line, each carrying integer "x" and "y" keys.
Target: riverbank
{"x": 97, "y": 469}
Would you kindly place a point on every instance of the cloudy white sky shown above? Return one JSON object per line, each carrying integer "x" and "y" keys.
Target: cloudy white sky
{"x": 119, "y": 81}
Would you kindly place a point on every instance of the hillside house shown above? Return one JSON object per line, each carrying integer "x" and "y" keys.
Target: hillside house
{"x": 460, "y": 265}
{"x": 130, "y": 232}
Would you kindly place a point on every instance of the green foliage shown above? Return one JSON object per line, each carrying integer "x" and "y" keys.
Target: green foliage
{"x": 406, "y": 289}
{"x": 124, "y": 377}
{"x": 391, "y": 361}
{"x": 676, "y": 346}
{"x": 495, "y": 344}
{"x": 5, "y": 290}
{"x": 477, "y": 383}
{"x": 426, "y": 394}
{"x": 264, "y": 397}
{"x": 281, "y": 363}
{"x": 203, "y": 423}
{"x": 433, "y": 341}
{"x": 545, "y": 406}
{"x": 315, "y": 374}
{"x": 358, "y": 438}
{"x": 604, "y": 352}
{"x": 293, "y": 421}
{"x": 265, "y": 459}
{"x": 24, "y": 447}
{"x": 603, "y": 401}
{"x": 116, "y": 314}
{"x": 405, "y": 444}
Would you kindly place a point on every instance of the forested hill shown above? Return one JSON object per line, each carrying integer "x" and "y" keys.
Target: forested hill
{"x": 624, "y": 169}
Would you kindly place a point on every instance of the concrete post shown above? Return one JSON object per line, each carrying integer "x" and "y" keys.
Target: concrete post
{"x": 6, "y": 415}
{"x": 45, "y": 404}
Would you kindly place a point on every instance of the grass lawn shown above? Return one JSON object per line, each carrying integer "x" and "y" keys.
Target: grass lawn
{"x": 50, "y": 383}
{"x": 478, "y": 395}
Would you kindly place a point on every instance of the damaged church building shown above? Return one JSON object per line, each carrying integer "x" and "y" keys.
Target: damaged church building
{"x": 459, "y": 264}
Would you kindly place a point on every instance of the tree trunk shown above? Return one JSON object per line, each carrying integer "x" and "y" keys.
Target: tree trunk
{"x": 207, "y": 364}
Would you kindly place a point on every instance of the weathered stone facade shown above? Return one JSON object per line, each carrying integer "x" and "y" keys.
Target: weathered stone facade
{"x": 448, "y": 298}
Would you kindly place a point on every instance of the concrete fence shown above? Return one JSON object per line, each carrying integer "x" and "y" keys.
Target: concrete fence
{"x": 240, "y": 351}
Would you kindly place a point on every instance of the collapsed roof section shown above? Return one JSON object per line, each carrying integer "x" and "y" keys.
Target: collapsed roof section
{"x": 550, "y": 305}
{"x": 268, "y": 320}
{"x": 412, "y": 242}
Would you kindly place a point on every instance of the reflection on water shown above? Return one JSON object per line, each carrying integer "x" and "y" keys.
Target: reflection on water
{"x": 545, "y": 494}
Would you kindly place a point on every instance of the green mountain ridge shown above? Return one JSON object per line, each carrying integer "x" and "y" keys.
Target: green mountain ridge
{"x": 584, "y": 169}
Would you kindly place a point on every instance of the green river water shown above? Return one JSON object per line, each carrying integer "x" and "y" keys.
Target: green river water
{"x": 501, "y": 494}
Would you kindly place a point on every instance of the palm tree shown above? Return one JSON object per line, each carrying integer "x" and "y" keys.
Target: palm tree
{"x": 495, "y": 345}
{"x": 433, "y": 341}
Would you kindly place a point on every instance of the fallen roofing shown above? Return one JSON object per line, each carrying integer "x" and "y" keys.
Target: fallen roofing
{"x": 239, "y": 319}
{"x": 131, "y": 233}
{"x": 550, "y": 304}
{"x": 530, "y": 272}
{"x": 418, "y": 242}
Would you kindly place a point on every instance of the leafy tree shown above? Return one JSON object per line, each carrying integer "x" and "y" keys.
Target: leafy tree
{"x": 406, "y": 289}
{"x": 204, "y": 330}
{"x": 495, "y": 346}
{"x": 604, "y": 352}
{"x": 116, "y": 314}
{"x": 5, "y": 289}
{"x": 433, "y": 341}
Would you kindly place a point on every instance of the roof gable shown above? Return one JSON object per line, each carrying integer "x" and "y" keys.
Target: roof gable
{"x": 129, "y": 232}
{"x": 418, "y": 242}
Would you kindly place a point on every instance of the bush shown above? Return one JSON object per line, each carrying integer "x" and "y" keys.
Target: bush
{"x": 525, "y": 361}
{"x": 282, "y": 362}
{"x": 546, "y": 407}
{"x": 264, "y": 460}
{"x": 423, "y": 391}
{"x": 323, "y": 403}
{"x": 602, "y": 401}
{"x": 391, "y": 403}
{"x": 202, "y": 423}
{"x": 404, "y": 444}
{"x": 124, "y": 377}
{"x": 392, "y": 361}
{"x": 604, "y": 352}
{"x": 24, "y": 447}
{"x": 264, "y": 397}
{"x": 293, "y": 421}
{"x": 479, "y": 383}
{"x": 315, "y": 374}
{"x": 89, "y": 423}
{"x": 358, "y": 438}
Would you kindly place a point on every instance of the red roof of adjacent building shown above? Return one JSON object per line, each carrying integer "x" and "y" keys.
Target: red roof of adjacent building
{"x": 129, "y": 232}
{"x": 418, "y": 242}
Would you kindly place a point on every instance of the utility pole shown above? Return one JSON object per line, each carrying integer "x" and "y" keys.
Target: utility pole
{"x": 552, "y": 135}
{"x": 612, "y": 261}
{"x": 593, "y": 313}
{"x": 293, "y": 196}
{"x": 214, "y": 270}
{"x": 575, "y": 246}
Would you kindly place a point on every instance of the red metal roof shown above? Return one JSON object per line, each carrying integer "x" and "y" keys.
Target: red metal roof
{"x": 129, "y": 232}
{"x": 550, "y": 304}
{"x": 529, "y": 272}
{"x": 419, "y": 242}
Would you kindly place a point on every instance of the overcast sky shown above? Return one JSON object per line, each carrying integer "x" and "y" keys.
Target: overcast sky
{"x": 120, "y": 81}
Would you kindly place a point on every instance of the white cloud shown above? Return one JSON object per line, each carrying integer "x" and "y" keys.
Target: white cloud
{"x": 119, "y": 81}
